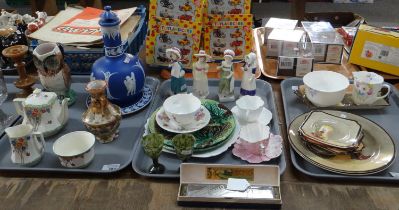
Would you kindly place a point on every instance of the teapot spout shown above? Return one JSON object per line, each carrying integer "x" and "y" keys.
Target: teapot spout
{"x": 64, "y": 113}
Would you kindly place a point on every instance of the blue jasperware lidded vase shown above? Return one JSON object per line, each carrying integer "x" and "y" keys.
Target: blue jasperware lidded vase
{"x": 122, "y": 71}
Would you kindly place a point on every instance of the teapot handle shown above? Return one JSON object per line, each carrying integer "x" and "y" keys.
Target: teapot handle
{"x": 18, "y": 105}
{"x": 41, "y": 141}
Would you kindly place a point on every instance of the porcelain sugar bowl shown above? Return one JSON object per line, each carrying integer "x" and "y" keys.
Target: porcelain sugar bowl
{"x": 123, "y": 72}
{"x": 43, "y": 111}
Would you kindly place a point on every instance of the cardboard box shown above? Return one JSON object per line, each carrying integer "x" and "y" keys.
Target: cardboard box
{"x": 279, "y": 23}
{"x": 294, "y": 66}
{"x": 206, "y": 184}
{"x": 377, "y": 49}
{"x": 282, "y": 41}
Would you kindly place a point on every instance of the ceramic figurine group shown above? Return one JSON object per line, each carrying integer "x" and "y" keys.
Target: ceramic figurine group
{"x": 200, "y": 78}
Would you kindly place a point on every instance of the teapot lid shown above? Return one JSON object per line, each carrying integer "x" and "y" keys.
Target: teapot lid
{"x": 40, "y": 99}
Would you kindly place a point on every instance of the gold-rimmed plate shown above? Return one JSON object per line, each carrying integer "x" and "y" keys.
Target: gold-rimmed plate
{"x": 378, "y": 154}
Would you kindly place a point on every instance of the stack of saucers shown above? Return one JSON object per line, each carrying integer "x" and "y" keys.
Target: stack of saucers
{"x": 330, "y": 135}
{"x": 212, "y": 124}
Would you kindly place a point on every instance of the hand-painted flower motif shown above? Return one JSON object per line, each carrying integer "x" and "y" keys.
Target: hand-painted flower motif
{"x": 199, "y": 115}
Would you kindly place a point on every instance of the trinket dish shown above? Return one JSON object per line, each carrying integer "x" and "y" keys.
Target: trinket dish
{"x": 202, "y": 119}
{"x": 330, "y": 130}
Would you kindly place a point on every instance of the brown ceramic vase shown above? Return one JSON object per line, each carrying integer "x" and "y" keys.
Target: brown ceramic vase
{"x": 101, "y": 118}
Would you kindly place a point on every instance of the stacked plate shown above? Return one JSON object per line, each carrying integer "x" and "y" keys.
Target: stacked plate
{"x": 342, "y": 142}
{"x": 215, "y": 131}
{"x": 331, "y": 135}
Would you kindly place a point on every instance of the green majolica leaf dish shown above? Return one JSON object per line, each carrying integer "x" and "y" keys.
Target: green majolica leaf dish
{"x": 220, "y": 127}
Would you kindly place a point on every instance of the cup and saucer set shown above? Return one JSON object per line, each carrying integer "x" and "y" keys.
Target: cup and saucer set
{"x": 255, "y": 143}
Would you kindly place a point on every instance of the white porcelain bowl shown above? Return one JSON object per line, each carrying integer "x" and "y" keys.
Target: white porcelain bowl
{"x": 325, "y": 88}
{"x": 182, "y": 108}
{"x": 75, "y": 149}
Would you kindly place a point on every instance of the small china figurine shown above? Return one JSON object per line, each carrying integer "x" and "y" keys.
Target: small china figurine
{"x": 226, "y": 84}
{"x": 248, "y": 83}
{"x": 178, "y": 83}
{"x": 200, "y": 77}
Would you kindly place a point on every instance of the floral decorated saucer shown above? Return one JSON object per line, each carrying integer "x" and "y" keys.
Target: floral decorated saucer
{"x": 201, "y": 120}
{"x": 261, "y": 151}
{"x": 264, "y": 118}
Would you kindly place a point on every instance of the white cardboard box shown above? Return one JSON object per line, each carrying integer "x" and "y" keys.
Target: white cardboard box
{"x": 283, "y": 41}
{"x": 279, "y": 23}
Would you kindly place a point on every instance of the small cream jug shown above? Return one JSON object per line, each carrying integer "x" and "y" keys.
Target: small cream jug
{"x": 367, "y": 87}
{"x": 27, "y": 146}
{"x": 43, "y": 111}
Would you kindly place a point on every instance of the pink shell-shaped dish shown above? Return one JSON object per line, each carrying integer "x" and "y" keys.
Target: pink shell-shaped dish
{"x": 252, "y": 152}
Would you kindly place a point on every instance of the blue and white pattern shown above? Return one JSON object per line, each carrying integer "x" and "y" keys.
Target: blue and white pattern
{"x": 139, "y": 105}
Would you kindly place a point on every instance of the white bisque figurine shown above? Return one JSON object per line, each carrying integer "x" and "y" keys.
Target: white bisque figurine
{"x": 200, "y": 77}
{"x": 226, "y": 83}
{"x": 178, "y": 83}
{"x": 248, "y": 83}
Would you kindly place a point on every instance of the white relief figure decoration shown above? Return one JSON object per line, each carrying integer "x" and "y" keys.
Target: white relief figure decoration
{"x": 130, "y": 83}
{"x": 110, "y": 32}
{"x": 107, "y": 76}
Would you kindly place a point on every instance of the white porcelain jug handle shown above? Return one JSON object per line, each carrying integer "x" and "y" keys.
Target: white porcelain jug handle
{"x": 18, "y": 105}
{"x": 386, "y": 94}
{"x": 41, "y": 141}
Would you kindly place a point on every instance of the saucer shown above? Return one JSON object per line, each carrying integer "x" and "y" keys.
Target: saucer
{"x": 139, "y": 105}
{"x": 264, "y": 118}
{"x": 273, "y": 149}
{"x": 170, "y": 125}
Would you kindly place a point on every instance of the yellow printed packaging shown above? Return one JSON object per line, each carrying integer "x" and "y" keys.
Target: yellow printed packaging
{"x": 227, "y": 7}
{"x": 228, "y": 32}
{"x": 184, "y": 10}
{"x": 167, "y": 33}
{"x": 377, "y": 49}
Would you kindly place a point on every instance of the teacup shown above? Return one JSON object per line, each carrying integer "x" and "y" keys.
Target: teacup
{"x": 27, "y": 146}
{"x": 182, "y": 108}
{"x": 249, "y": 108}
{"x": 367, "y": 87}
{"x": 253, "y": 137}
{"x": 75, "y": 149}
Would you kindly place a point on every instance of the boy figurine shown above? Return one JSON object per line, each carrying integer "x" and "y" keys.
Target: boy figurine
{"x": 178, "y": 83}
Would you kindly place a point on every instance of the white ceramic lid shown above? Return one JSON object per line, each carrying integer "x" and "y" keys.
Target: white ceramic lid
{"x": 40, "y": 98}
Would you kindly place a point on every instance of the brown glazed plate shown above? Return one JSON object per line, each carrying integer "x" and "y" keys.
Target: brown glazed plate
{"x": 378, "y": 154}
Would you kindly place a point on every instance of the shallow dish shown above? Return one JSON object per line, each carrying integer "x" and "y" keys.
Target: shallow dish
{"x": 378, "y": 154}
{"x": 325, "y": 88}
{"x": 331, "y": 130}
{"x": 202, "y": 119}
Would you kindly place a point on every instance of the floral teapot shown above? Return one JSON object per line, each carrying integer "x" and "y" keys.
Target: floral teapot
{"x": 43, "y": 111}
